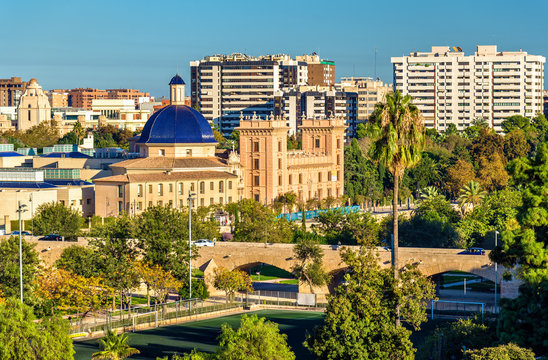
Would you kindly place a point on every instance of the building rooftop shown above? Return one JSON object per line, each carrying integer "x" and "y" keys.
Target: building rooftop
{"x": 164, "y": 176}
{"x": 177, "y": 124}
{"x": 169, "y": 163}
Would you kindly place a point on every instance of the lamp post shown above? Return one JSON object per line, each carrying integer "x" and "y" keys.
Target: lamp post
{"x": 496, "y": 272}
{"x": 190, "y": 199}
{"x": 20, "y": 209}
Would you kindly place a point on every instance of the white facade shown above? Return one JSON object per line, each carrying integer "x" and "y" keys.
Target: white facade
{"x": 370, "y": 92}
{"x": 33, "y": 107}
{"x": 451, "y": 88}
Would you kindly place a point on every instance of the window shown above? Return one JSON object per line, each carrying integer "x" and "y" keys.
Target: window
{"x": 170, "y": 203}
{"x": 180, "y": 188}
{"x": 181, "y": 203}
{"x": 211, "y": 185}
{"x": 280, "y": 180}
{"x": 255, "y": 163}
{"x": 120, "y": 206}
{"x": 256, "y": 197}
{"x": 120, "y": 190}
{"x": 338, "y": 143}
{"x": 88, "y": 201}
{"x": 170, "y": 186}
{"x": 191, "y": 186}
{"x": 160, "y": 189}
{"x": 230, "y": 185}
{"x": 229, "y": 199}
{"x": 202, "y": 187}
{"x": 221, "y": 200}
{"x": 256, "y": 181}
{"x": 221, "y": 186}
{"x": 290, "y": 179}
{"x": 256, "y": 146}
{"x": 317, "y": 144}
{"x": 279, "y": 146}
{"x": 161, "y": 152}
{"x": 338, "y": 159}
{"x": 202, "y": 202}
{"x": 300, "y": 178}
{"x": 160, "y": 203}
{"x": 139, "y": 205}
{"x": 210, "y": 201}
{"x": 150, "y": 189}
{"x": 139, "y": 190}
{"x": 320, "y": 177}
{"x": 279, "y": 163}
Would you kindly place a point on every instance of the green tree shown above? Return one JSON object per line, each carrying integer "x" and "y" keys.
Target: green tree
{"x": 471, "y": 195}
{"x": 501, "y": 352}
{"x": 309, "y": 264}
{"x": 115, "y": 347}
{"x": 258, "y": 223}
{"x": 9, "y": 269}
{"x": 349, "y": 229}
{"x": 448, "y": 340}
{"x": 398, "y": 138}
{"x": 359, "y": 320}
{"x": 22, "y": 337}
{"x": 360, "y": 175}
{"x": 515, "y": 145}
{"x": 56, "y": 218}
{"x": 42, "y": 135}
{"x": 255, "y": 339}
{"x": 79, "y": 260}
{"x": 199, "y": 289}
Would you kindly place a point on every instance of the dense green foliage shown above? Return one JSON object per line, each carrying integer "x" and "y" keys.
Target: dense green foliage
{"x": 309, "y": 264}
{"x": 501, "y": 352}
{"x": 257, "y": 223}
{"x": 56, "y": 218}
{"x": 359, "y": 321}
{"x": 21, "y": 337}
{"x": 115, "y": 347}
{"x": 9, "y": 269}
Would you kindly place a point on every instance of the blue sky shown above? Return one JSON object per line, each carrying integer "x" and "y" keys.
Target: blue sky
{"x": 140, "y": 44}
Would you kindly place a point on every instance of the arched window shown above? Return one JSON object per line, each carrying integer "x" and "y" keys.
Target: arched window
{"x": 221, "y": 186}
{"x": 202, "y": 187}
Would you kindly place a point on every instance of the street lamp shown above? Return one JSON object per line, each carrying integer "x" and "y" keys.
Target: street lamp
{"x": 190, "y": 199}
{"x": 496, "y": 272}
{"x": 20, "y": 209}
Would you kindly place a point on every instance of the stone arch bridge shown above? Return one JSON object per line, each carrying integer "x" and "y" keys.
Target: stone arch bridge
{"x": 431, "y": 261}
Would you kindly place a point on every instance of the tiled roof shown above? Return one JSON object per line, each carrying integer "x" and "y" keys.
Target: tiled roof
{"x": 181, "y": 175}
{"x": 169, "y": 163}
{"x": 72, "y": 154}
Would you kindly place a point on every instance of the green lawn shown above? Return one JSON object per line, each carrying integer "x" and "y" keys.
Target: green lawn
{"x": 290, "y": 282}
{"x": 268, "y": 272}
{"x": 202, "y": 335}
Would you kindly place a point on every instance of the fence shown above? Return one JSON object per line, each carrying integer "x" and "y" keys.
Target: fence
{"x": 280, "y": 298}
{"x": 312, "y": 214}
{"x": 456, "y": 308}
{"x": 150, "y": 316}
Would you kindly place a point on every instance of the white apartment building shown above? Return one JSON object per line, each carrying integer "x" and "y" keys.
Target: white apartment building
{"x": 452, "y": 88}
{"x": 226, "y": 86}
{"x": 370, "y": 92}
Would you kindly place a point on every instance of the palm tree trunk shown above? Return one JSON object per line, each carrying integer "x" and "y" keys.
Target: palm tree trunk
{"x": 395, "y": 244}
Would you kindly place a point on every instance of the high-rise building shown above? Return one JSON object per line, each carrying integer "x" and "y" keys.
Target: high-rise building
{"x": 545, "y": 100}
{"x": 223, "y": 86}
{"x": 11, "y": 91}
{"x": 370, "y": 92}
{"x": 320, "y": 72}
{"x": 58, "y": 98}
{"x": 307, "y": 102}
{"x": 452, "y": 88}
{"x": 34, "y": 107}
{"x": 82, "y": 98}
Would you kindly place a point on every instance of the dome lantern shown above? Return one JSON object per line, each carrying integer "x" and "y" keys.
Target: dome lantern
{"x": 177, "y": 90}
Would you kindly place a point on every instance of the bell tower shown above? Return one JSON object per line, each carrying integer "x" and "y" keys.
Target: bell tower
{"x": 177, "y": 90}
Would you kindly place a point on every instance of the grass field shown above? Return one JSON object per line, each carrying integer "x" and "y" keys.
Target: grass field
{"x": 269, "y": 272}
{"x": 203, "y": 334}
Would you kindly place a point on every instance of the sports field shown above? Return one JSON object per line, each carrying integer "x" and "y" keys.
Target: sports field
{"x": 202, "y": 335}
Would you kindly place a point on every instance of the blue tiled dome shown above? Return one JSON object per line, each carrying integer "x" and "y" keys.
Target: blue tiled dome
{"x": 177, "y": 80}
{"x": 177, "y": 124}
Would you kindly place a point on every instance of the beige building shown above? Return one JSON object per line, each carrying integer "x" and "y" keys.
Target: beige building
{"x": 270, "y": 170}
{"x": 177, "y": 149}
{"x": 370, "y": 92}
{"x": 58, "y": 98}
{"x": 11, "y": 91}
{"x": 33, "y": 107}
{"x": 121, "y": 113}
{"x": 452, "y": 88}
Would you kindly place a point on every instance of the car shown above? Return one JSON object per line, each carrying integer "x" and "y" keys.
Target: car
{"x": 204, "y": 242}
{"x": 475, "y": 251}
{"x": 52, "y": 237}
{"x": 24, "y": 233}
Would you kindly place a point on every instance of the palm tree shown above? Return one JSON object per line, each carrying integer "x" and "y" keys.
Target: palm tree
{"x": 397, "y": 133}
{"x": 471, "y": 194}
{"x": 115, "y": 348}
{"x": 429, "y": 193}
